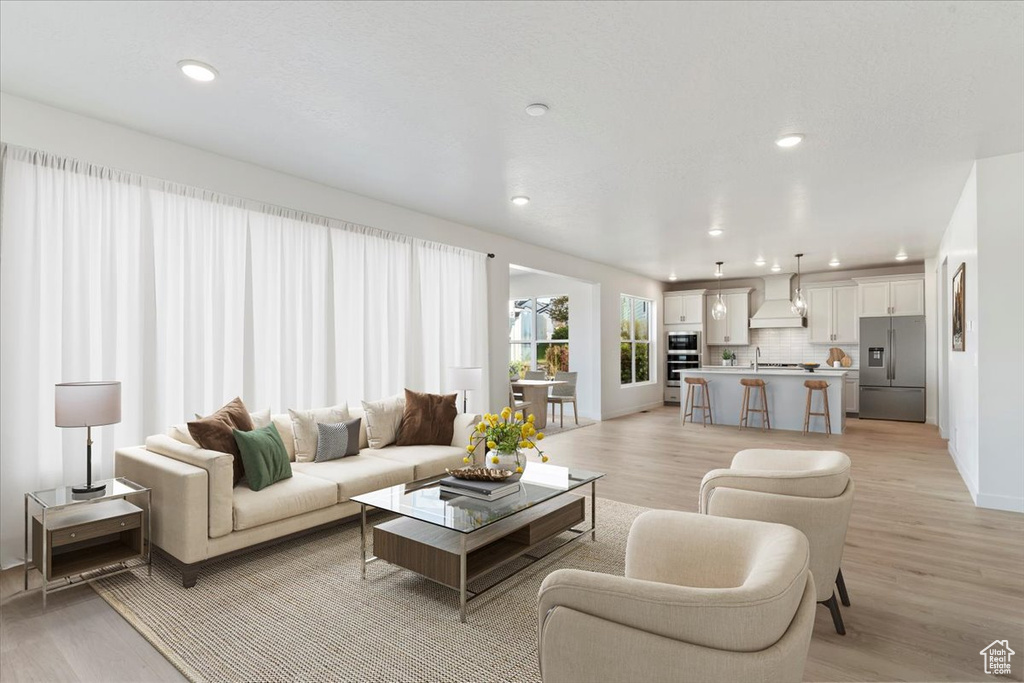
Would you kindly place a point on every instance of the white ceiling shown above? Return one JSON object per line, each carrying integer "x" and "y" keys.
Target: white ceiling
{"x": 662, "y": 115}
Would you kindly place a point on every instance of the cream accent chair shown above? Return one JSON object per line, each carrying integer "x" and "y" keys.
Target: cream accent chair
{"x": 703, "y": 599}
{"x": 809, "y": 490}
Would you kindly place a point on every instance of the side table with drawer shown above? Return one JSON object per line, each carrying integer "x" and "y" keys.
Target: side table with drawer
{"x": 80, "y": 538}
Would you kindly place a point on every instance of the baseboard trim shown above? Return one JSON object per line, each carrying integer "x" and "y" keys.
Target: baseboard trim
{"x": 632, "y": 411}
{"x": 972, "y": 486}
{"x": 995, "y": 502}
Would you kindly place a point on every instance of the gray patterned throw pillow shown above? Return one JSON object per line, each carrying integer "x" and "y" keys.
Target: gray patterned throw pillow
{"x": 337, "y": 440}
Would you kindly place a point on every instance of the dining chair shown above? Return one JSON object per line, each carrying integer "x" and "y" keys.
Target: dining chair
{"x": 515, "y": 402}
{"x": 562, "y": 394}
{"x": 536, "y": 374}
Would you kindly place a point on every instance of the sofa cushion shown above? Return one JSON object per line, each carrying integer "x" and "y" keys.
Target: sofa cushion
{"x": 427, "y": 419}
{"x": 215, "y": 432}
{"x": 263, "y": 456}
{"x": 384, "y": 420}
{"x": 364, "y": 436}
{"x": 304, "y": 424}
{"x": 337, "y": 440}
{"x": 293, "y": 496}
{"x": 283, "y": 422}
{"x": 428, "y": 461}
{"x": 357, "y": 474}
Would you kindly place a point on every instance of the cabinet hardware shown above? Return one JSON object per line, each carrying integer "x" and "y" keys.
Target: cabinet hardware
{"x": 122, "y": 523}
{"x": 73, "y": 534}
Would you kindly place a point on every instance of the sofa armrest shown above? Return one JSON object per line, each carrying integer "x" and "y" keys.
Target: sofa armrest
{"x": 180, "y": 514}
{"x": 221, "y": 477}
{"x": 463, "y": 426}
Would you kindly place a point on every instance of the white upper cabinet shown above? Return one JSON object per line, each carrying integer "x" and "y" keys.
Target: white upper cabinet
{"x": 907, "y": 297}
{"x": 693, "y": 308}
{"x": 673, "y": 309}
{"x": 819, "y": 314}
{"x": 846, "y": 322}
{"x": 891, "y": 296}
{"x": 832, "y": 314}
{"x": 873, "y": 299}
{"x": 684, "y": 307}
{"x": 734, "y": 328}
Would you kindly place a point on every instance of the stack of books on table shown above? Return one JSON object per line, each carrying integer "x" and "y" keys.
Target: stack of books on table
{"x": 484, "y": 490}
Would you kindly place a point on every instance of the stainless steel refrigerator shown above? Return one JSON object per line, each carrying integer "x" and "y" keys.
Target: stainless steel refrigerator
{"x": 892, "y": 368}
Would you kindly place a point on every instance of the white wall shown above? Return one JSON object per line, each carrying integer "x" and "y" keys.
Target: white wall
{"x": 30, "y": 124}
{"x": 1000, "y": 335}
{"x": 584, "y": 313}
{"x": 985, "y": 400}
{"x": 960, "y": 245}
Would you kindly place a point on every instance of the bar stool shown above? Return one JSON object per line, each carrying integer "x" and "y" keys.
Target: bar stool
{"x": 690, "y": 404}
{"x": 746, "y": 409}
{"x": 812, "y": 386}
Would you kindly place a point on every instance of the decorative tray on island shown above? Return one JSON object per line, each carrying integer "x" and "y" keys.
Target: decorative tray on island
{"x": 480, "y": 473}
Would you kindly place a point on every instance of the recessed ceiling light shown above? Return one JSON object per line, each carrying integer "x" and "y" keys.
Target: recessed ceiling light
{"x": 834, "y": 263}
{"x": 715, "y": 232}
{"x": 759, "y": 261}
{"x": 776, "y": 268}
{"x": 197, "y": 71}
{"x": 537, "y": 109}
{"x": 790, "y": 140}
{"x": 520, "y": 201}
{"x": 902, "y": 256}
{"x": 672, "y": 277}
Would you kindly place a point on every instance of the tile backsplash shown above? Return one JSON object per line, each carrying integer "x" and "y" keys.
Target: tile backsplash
{"x": 781, "y": 345}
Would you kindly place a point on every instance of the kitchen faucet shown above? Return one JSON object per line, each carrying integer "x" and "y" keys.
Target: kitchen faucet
{"x": 757, "y": 358}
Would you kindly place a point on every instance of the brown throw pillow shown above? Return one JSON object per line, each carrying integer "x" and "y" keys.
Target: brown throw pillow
{"x": 215, "y": 432}
{"x": 428, "y": 419}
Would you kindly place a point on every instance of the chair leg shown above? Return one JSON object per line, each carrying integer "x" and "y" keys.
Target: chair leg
{"x": 837, "y": 617}
{"x": 807, "y": 412}
{"x": 743, "y": 409}
{"x": 561, "y": 414}
{"x": 704, "y": 406}
{"x": 828, "y": 419}
{"x": 844, "y": 597}
{"x": 764, "y": 404}
{"x": 707, "y": 404}
{"x": 688, "y": 404}
{"x": 575, "y": 413}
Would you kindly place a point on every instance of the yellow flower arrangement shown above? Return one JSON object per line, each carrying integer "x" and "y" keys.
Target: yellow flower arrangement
{"x": 506, "y": 433}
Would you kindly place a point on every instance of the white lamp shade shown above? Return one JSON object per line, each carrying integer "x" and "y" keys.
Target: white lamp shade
{"x": 465, "y": 378}
{"x": 87, "y": 404}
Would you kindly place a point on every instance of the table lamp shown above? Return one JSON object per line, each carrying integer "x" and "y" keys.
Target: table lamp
{"x": 465, "y": 379}
{"x": 87, "y": 404}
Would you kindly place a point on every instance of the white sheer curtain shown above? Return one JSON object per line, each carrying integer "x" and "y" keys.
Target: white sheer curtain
{"x": 189, "y": 299}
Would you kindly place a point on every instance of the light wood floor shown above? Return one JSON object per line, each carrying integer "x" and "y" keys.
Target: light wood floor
{"x": 932, "y": 579}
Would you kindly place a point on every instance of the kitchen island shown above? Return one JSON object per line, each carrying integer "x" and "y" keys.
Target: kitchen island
{"x": 787, "y": 396}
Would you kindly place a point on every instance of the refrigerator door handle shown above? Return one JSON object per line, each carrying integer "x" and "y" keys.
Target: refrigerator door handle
{"x": 892, "y": 355}
{"x": 888, "y": 359}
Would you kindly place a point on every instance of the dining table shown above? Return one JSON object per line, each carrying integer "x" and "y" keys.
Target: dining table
{"x": 535, "y": 392}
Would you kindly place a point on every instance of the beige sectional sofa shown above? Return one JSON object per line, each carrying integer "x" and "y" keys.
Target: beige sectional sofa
{"x": 199, "y": 517}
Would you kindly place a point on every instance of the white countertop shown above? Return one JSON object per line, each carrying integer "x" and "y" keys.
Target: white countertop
{"x": 784, "y": 372}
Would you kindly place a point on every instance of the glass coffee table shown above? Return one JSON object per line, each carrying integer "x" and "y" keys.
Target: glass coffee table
{"x": 454, "y": 540}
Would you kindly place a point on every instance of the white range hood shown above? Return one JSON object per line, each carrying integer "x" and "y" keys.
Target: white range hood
{"x": 777, "y": 309}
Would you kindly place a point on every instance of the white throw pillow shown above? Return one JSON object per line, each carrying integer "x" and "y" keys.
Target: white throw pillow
{"x": 304, "y": 425}
{"x": 260, "y": 419}
{"x": 181, "y": 433}
{"x": 383, "y": 420}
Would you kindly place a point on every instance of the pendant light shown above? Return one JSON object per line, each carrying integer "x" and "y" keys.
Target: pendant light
{"x": 799, "y": 302}
{"x": 718, "y": 309}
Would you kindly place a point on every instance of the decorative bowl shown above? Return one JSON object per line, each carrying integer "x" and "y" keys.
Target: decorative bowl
{"x": 809, "y": 367}
{"x": 480, "y": 473}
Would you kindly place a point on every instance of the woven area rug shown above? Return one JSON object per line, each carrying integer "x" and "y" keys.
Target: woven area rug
{"x": 299, "y": 612}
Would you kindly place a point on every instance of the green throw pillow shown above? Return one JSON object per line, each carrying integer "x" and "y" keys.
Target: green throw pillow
{"x": 263, "y": 456}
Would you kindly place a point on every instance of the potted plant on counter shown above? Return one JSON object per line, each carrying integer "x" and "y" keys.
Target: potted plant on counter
{"x": 728, "y": 357}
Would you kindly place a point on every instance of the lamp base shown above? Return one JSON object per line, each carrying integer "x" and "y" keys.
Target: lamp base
{"x": 89, "y": 488}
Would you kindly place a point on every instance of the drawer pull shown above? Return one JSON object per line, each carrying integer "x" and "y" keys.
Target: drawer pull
{"x": 122, "y": 523}
{"x": 73, "y": 534}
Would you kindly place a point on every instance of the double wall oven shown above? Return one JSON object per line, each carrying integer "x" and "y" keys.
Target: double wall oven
{"x": 682, "y": 353}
